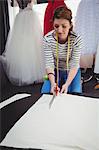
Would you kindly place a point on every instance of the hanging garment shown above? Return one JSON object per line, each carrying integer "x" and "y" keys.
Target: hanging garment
{"x": 23, "y": 56}
{"x": 52, "y": 5}
{"x": 87, "y": 23}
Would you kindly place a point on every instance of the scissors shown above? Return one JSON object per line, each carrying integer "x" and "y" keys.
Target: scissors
{"x": 52, "y": 100}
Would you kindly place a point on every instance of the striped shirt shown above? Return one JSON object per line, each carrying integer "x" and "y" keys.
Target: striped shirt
{"x": 50, "y": 44}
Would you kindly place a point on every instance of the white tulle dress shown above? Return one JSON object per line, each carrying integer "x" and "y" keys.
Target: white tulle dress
{"x": 23, "y": 56}
{"x": 87, "y": 24}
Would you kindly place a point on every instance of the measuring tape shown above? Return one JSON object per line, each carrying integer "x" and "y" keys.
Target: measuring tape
{"x": 57, "y": 57}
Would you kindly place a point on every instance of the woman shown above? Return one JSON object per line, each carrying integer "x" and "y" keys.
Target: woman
{"x": 23, "y": 56}
{"x": 48, "y": 17}
{"x": 62, "y": 55}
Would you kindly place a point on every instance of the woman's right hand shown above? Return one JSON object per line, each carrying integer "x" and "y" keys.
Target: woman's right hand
{"x": 53, "y": 89}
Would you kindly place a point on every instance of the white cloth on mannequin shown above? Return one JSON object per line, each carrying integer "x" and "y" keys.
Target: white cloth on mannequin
{"x": 87, "y": 23}
{"x": 23, "y": 55}
{"x": 12, "y": 12}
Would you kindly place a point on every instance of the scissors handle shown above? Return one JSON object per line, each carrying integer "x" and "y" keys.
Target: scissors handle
{"x": 56, "y": 89}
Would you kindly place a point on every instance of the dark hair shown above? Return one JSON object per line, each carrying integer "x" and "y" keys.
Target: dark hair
{"x": 63, "y": 12}
{"x": 23, "y": 3}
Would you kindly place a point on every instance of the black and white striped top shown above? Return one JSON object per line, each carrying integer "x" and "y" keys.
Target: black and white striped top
{"x": 49, "y": 45}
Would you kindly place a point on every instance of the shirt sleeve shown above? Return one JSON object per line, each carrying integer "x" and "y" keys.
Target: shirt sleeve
{"x": 48, "y": 53}
{"x": 76, "y": 52}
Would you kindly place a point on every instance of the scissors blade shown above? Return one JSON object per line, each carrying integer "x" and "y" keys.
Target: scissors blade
{"x": 51, "y": 102}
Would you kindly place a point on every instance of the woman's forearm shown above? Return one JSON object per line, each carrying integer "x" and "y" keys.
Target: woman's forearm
{"x": 71, "y": 75}
{"x": 51, "y": 75}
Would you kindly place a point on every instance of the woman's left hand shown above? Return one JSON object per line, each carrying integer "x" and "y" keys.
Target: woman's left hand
{"x": 64, "y": 88}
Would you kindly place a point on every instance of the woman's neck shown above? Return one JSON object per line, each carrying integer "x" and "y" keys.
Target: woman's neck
{"x": 62, "y": 41}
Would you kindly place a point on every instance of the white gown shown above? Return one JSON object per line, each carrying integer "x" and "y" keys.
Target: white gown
{"x": 87, "y": 24}
{"x": 23, "y": 56}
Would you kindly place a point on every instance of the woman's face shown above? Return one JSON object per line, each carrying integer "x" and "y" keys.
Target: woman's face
{"x": 62, "y": 27}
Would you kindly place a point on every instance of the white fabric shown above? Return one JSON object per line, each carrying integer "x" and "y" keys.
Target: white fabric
{"x": 72, "y": 123}
{"x": 12, "y": 12}
{"x": 13, "y": 99}
{"x": 96, "y": 69}
{"x": 23, "y": 57}
{"x": 73, "y": 4}
{"x": 87, "y": 23}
